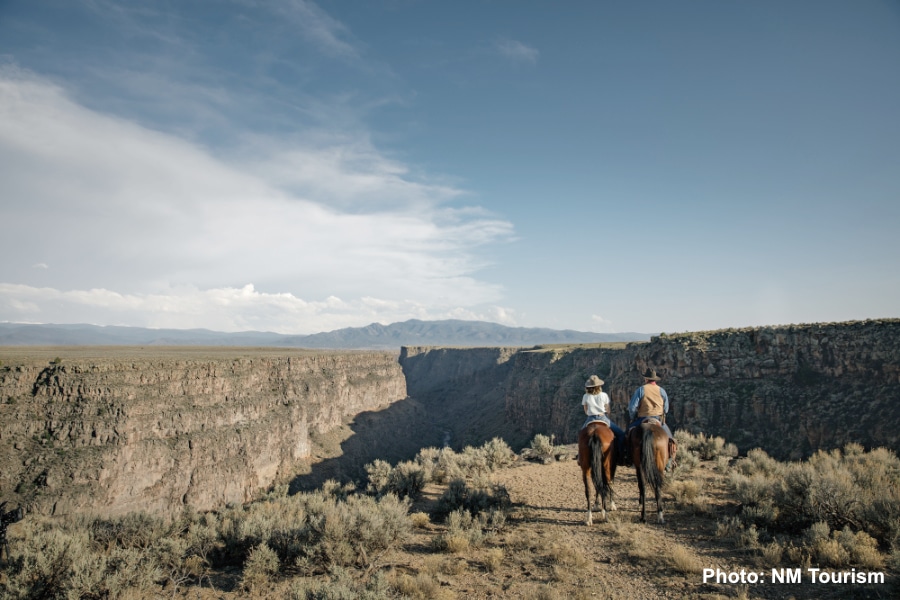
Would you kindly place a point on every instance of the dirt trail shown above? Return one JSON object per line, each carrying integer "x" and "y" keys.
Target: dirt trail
{"x": 623, "y": 558}
{"x": 546, "y": 552}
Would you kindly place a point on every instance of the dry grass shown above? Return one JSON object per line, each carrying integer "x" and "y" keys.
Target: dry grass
{"x": 311, "y": 546}
{"x": 684, "y": 560}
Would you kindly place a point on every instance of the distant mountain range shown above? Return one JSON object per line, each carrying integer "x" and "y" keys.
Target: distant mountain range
{"x": 374, "y": 336}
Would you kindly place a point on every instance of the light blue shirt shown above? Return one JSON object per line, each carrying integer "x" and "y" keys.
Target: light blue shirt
{"x": 636, "y": 401}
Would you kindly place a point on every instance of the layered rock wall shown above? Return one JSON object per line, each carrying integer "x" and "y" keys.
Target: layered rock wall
{"x": 156, "y": 432}
{"x": 113, "y": 431}
{"x": 790, "y": 390}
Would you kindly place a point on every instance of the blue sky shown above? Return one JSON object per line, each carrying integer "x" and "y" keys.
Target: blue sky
{"x": 295, "y": 166}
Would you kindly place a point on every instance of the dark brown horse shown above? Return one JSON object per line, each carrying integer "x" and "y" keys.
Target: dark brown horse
{"x": 597, "y": 459}
{"x": 650, "y": 452}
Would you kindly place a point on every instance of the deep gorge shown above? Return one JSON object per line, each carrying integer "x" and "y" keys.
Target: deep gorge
{"x": 113, "y": 430}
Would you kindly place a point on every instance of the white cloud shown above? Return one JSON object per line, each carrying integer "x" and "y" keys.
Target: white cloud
{"x": 156, "y": 231}
{"x": 320, "y": 28}
{"x": 517, "y": 51}
{"x": 220, "y": 309}
{"x": 600, "y": 325}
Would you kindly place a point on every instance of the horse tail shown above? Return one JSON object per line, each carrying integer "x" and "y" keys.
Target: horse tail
{"x": 652, "y": 474}
{"x": 598, "y": 473}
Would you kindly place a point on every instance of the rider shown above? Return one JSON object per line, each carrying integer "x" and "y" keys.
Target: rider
{"x": 651, "y": 401}
{"x": 596, "y": 406}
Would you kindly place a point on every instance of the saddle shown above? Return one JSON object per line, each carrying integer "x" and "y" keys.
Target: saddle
{"x": 650, "y": 421}
{"x": 672, "y": 445}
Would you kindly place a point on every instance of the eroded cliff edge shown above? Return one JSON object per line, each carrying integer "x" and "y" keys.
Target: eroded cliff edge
{"x": 790, "y": 390}
{"x": 110, "y": 431}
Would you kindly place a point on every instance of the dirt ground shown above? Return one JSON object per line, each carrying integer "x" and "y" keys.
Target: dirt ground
{"x": 545, "y": 550}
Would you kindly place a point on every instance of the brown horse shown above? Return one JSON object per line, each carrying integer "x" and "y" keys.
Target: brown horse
{"x": 650, "y": 453}
{"x": 597, "y": 459}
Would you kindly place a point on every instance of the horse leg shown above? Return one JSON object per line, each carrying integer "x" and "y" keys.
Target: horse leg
{"x": 662, "y": 458}
{"x": 585, "y": 475}
{"x": 642, "y": 499}
{"x": 609, "y": 469}
{"x": 659, "y": 508}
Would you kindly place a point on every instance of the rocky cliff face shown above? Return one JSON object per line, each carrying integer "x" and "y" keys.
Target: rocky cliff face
{"x": 790, "y": 390}
{"x": 119, "y": 430}
{"x": 157, "y": 431}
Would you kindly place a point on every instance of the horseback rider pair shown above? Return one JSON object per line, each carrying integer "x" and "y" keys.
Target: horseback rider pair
{"x": 648, "y": 401}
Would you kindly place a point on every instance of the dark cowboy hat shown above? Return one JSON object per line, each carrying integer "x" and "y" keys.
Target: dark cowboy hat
{"x": 651, "y": 374}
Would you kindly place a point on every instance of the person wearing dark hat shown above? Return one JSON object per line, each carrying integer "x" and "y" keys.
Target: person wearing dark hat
{"x": 651, "y": 400}
{"x": 596, "y": 406}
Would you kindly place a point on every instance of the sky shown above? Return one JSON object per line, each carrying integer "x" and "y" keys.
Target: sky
{"x": 297, "y": 166}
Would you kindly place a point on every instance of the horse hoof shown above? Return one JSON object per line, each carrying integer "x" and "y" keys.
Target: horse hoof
{"x": 589, "y": 521}
{"x": 660, "y": 519}
{"x": 612, "y": 506}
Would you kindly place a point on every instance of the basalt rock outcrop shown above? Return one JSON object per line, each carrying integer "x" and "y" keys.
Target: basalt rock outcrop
{"x": 157, "y": 432}
{"x": 118, "y": 430}
{"x": 790, "y": 390}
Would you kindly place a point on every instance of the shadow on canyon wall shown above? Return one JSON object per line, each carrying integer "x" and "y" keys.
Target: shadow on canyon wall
{"x": 466, "y": 410}
{"x": 393, "y": 434}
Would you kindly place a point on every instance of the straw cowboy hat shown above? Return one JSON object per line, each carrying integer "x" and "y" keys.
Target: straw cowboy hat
{"x": 594, "y": 381}
{"x": 651, "y": 374}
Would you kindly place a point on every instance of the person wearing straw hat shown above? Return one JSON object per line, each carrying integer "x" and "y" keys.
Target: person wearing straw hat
{"x": 596, "y": 406}
{"x": 651, "y": 401}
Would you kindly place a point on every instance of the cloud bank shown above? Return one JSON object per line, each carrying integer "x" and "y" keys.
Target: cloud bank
{"x": 133, "y": 226}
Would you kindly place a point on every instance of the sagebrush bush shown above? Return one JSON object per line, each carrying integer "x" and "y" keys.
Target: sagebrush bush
{"x": 684, "y": 492}
{"x": 543, "y": 447}
{"x": 420, "y": 519}
{"x": 842, "y": 504}
{"x": 134, "y": 530}
{"x": 407, "y": 480}
{"x": 492, "y": 559}
{"x": 379, "y": 474}
{"x": 441, "y": 465}
{"x": 341, "y": 585}
{"x": 498, "y": 454}
{"x": 463, "y": 532}
{"x": 421, "y": 587}
{"x": 260, "y": 566}
{"x": 475, "y": 500}
{"x": 427, "y": 458}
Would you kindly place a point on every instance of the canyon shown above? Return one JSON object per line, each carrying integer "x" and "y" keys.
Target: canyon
{"x": 95, "y": 430}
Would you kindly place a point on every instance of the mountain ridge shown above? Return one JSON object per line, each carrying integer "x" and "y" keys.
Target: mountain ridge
{"x": 413, "y": 332}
